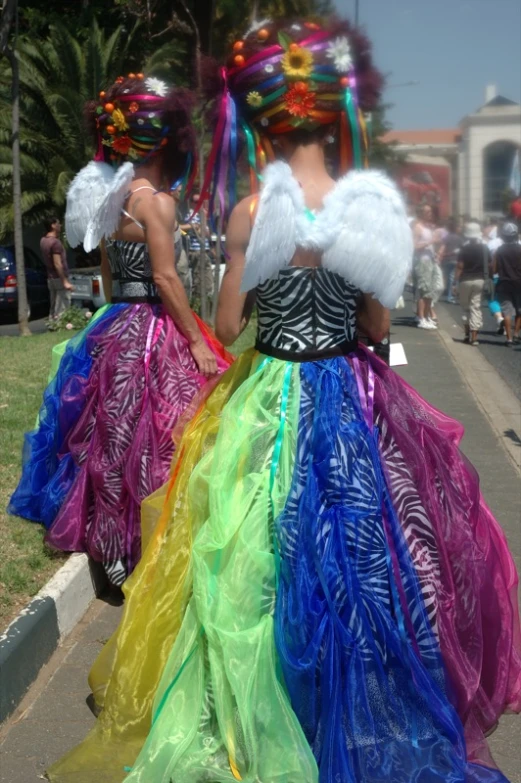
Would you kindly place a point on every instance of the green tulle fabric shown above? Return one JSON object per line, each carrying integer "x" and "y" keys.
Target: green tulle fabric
{"x": 192, "y": 672}
{"x": 221, "y": 707}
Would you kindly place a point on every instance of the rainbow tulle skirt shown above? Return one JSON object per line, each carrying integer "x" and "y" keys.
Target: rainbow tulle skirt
{"x": 103, "y": 440}
{"x": 323, "y": 597}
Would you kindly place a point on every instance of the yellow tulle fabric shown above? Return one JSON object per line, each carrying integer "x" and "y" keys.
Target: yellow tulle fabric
{"x": 127, "y": 673}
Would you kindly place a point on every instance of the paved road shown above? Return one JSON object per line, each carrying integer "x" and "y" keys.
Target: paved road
{"x": 507, "y": 361}
{"x": 9, "y": 326}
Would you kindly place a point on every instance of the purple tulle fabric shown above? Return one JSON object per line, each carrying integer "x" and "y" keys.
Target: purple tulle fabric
{"x": 142, "y": 379}
{"x": 467, "y": 575}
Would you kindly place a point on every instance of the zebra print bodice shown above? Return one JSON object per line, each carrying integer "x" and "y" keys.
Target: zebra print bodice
{"x": 131, "y": 269}
{"x": 305, "y": 311}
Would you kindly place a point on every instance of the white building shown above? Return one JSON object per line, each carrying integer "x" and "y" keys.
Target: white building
{"x": 480, "y": 154}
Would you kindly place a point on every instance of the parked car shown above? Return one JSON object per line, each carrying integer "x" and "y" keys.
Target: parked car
{"x": 88, "y": 287}
{"x": 35, "y": 278}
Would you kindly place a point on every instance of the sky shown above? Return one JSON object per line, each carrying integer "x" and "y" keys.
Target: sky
{"x": 452, "y": 48}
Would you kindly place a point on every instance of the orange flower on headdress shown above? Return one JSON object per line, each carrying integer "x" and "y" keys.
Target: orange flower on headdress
{"x": 133, "y": 107}
{"x": 122, "y": 144}
{"x": 297, "y": 62}
{"x": 300, "y": 100}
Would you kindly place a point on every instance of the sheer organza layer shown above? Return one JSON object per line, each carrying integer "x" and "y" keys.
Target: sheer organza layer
{"x": 104, "y": 437}
{"x": 48, "y": 469}
{"x": 306, "y": 649}
{"x": 467, "y": 575}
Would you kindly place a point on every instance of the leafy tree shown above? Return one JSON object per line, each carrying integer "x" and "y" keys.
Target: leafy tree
{"x": 7, "y": 49}
{"x": 58, "y": 75}
{"x": 383, "y": 155}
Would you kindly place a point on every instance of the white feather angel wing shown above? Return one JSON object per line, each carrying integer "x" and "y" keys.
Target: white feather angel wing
{"x": 274, "y": 236}
{"x": 96, "y": 194}
{"x": 365, "y": 222}
{"x": 106, "y": 218}
{"x": 86, "y": 192}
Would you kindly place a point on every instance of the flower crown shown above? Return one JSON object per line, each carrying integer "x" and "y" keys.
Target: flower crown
{"x": 286, "y": 77}
{"x": 131, "y": 124}
{"x": 293, "y": 90}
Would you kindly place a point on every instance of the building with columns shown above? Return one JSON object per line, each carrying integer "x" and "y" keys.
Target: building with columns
{"x": 473, "y": 163}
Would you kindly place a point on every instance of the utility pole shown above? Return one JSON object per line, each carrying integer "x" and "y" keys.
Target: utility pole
{"x": 357, "y": 11}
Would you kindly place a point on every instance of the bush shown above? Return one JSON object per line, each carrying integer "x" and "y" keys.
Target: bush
{"x": 71, "y": 319}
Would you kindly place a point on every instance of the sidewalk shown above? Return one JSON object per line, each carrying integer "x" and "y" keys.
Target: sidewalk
{"x": 54, "y": 716}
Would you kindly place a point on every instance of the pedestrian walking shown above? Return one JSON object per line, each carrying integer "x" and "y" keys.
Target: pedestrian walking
{"x": 472, "y": 272}
{"x": 507, "y": 267}
{"x": 55, "y": 260}
{"x": 448, "y": 256}
{"x": 425, "y": 269}
{"x": 325, "y": 597}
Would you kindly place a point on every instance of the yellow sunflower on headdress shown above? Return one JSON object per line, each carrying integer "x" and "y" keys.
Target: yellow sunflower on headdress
{"x": 118, "y": 118}
{"x": 297, "y": 63}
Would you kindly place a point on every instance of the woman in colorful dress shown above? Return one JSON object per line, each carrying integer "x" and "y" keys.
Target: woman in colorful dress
{"x": 103, "y": 442}
{"x": 343, "y": 610}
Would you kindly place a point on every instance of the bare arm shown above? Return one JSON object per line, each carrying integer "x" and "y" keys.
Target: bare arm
{"x": 419, "y": 243}
{"x": 157, "y": 213}
{"x": 58, "y": 265}
{"x": 234, "y": 308}
{"x": 374, "y": 319}
{"x": 106, "y": 274}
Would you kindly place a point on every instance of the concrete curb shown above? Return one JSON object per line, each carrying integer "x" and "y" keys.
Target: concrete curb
{"x": 492, "y": 394}
{"x": 33, "y": 636}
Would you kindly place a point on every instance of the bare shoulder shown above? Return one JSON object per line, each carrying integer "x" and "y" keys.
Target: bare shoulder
{"x": 150, "y": 207}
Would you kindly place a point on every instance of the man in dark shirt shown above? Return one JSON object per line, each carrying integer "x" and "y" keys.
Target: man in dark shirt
{"x": 507, "y": 266}
{"x": 55, "y": 260}
{"x": 472, "y": 271}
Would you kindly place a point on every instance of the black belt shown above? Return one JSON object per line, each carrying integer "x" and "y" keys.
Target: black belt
{"x": 343, "y": 349}
{"x": 136, "y": 300}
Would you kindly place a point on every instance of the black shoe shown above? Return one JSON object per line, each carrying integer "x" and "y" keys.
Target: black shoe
{"x": 509, "y": 343}
{"x": 501, "y": 327}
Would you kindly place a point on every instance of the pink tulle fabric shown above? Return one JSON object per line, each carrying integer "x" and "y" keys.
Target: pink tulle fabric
{"x": 468, "y": 577}
{"x": 143, "y": 378}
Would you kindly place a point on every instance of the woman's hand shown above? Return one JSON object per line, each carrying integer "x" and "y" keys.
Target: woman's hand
{"x": 204, "y": 358}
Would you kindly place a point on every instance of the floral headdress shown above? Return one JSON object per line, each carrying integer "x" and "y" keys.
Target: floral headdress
{"x": 138, "y": 116}
{"x": 286, "y": 77}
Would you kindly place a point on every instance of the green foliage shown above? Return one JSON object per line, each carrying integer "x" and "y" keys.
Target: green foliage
{"x": 58, "y": 75}
{"x": 71, "y": 319}
{"x": 382, "y": 155}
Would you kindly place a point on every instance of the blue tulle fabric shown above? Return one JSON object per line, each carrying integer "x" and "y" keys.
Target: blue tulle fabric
{"x": 47, "y": 474}
{"x": 360, "y": 660}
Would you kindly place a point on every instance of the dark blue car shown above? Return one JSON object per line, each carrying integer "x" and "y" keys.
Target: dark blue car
{"x": 36, "y": 281}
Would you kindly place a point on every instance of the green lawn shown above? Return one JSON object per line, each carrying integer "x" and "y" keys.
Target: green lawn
{"x": 25, "y": 563}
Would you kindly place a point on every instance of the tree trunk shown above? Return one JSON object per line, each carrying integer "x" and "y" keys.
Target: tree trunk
{"x": 9, "y": 14}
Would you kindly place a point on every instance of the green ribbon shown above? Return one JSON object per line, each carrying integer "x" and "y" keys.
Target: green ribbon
{"x": 355, "y": 128}
{"x": 252, "y": 160}
{"x": 323, "y": 77}
{"x": 273, "y": 96}
{"x": 276, "y": 456}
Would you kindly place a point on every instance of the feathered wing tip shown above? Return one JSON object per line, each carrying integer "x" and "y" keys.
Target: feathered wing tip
{"x": 94, "y": 202}
{"x": 373, "y": 246}
{"x": 86, "y": 192}
{"x": 105, "y": 219}
{"x": 274, "y": 236}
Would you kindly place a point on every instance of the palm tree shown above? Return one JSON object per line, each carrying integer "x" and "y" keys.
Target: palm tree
{"x": 58, "y": 75}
